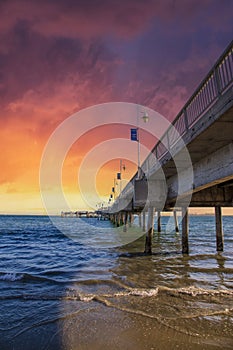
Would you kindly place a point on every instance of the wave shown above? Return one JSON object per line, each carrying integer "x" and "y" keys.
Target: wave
{"x": 24, "y": 277}
{"x": 11, "y": 277}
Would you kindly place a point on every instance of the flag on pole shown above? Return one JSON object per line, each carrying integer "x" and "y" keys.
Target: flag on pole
{"x": 118, "y": 176}
{"x": 134, "y": 134}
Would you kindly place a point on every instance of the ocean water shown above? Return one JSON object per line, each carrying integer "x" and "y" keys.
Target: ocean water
{"x": 58, "y": 293}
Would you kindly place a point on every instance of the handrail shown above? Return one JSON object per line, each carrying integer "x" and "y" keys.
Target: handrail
{"x": 217, "y": 81}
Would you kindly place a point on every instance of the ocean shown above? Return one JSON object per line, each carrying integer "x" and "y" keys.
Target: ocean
{"x": 63, "y": 292}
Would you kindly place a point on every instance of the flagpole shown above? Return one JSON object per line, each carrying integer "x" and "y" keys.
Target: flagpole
{"x": 120, "y": 175}
{"x": 138, "y": 140}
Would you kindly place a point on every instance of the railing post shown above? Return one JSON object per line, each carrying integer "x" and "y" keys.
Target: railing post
{"x": 217, "y": 81}
{"x": 168, "y": 141}
{"x": 186, "y": 119}
{"x": 156, "y": 152}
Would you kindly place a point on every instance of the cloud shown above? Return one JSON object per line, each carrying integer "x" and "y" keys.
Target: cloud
{"x": 88, "y": 19}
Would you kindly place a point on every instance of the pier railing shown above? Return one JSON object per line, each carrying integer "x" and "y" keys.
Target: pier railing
{"x": 215, "y": 84}
{"x": 213, "y": 87}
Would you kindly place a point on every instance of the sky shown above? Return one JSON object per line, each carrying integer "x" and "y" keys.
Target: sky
{"x": 61, "y": 57}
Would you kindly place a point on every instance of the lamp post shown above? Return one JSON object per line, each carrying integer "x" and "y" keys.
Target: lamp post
{"x": 114, "y": 188}
{"x": 119, "y": 175}
{"x": 145, "y": 118}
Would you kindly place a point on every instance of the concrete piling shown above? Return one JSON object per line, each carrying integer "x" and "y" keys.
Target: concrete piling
{"x": 140, "y": 220}
{"x": 150, "y": 230}
{"x": 159, "y": 221}
{"x": 176, "y": 221}
{"x": 219, "y": 229}
{"x": 185, "y": 231}
{"x": 144, "y": 221}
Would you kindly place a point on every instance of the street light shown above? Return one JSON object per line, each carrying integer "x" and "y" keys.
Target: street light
{"x": 145, "y": 118}
{"x": 119, "y": 175}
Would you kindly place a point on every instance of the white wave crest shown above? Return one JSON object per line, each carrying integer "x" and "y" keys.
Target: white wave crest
{"x": 11, "y": 277}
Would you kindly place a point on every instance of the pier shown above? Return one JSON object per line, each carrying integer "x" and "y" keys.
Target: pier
{"x": 205, "y": 130}
{"x": 80, "y": 214}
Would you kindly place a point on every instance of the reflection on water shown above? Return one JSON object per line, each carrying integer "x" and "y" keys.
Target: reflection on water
{"x": 59, "y": 294}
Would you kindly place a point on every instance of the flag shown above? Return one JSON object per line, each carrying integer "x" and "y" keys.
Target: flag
{"x": 134, "y": 134}
{"x": 113, "y": 189}
{"x": 118, "y": 176}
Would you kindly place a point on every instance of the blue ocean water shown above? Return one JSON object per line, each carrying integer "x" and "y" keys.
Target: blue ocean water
{"x": 60, "y": 293}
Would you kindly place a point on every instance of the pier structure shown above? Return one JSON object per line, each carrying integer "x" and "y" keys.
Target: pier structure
{"x": 80, "y": 214}
{"x": 205, "y": 129}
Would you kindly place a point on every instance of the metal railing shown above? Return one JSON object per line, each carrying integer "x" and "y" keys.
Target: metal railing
{"x": 216, "y": 83}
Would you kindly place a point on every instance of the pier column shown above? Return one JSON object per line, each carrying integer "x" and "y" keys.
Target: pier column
{"x": 130, "y": 219}
{"x": 144, "y": 221}
{"x": 159, "y": 221}
{"x": 125, "y": 221}
{"x": 150, "y": 230}
{"x": 140, "y": 220}
{"x": 118, "y": 219}
{"x": 219, "y": 230}
{"x": 176, "y": 221}
{"x": 185, "y": 231}
{"x": 122, "y": 219}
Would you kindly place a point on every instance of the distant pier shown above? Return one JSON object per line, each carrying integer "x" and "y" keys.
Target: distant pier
{"x": 98, "y": 214}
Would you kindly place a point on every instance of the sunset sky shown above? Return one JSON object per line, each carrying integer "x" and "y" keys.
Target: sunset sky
{"x": 60, "y": 57}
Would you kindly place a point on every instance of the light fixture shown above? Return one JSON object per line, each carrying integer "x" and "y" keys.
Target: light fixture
{"x": 145, "y": 117}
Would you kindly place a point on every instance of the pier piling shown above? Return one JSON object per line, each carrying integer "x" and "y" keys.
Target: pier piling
{"x": 144, "y": 221}
{"x": 131, "y": 218}
{"x": 185, "y": 231}
{"x": 125, "y": 221}
{"x": 150, "y": 230}
{"x": 159, "y": 221}
{"x": 176, "y": 221}
{"x": 219, "y": 230}
{"x": 140, "y": 220}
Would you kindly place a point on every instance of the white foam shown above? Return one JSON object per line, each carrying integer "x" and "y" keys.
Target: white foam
{"x": 11, "y": 277}
{"x": 144, "y": 292}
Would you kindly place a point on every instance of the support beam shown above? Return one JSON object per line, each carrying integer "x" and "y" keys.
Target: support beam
{"x": 176, "y": 221}
{"x": 185, "y": 231}
{"x": 219, "y": 230}
{"x": 159, "y": 221}
{"x": 150, "y": 230}
{"x": 144, "y": 221}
